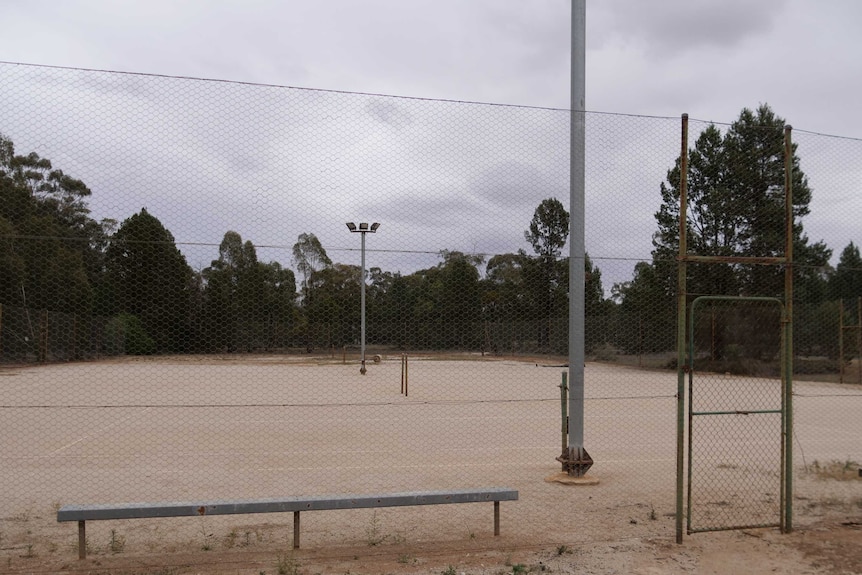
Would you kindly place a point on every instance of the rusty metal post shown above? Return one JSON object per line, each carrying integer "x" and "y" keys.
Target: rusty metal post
{"x": 496, "y": 519}
{"x": 296, "y": 529}
{"x": 680, "y": 326}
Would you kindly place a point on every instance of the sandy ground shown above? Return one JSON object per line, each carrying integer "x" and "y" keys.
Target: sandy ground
{"x": 193, "y": 428}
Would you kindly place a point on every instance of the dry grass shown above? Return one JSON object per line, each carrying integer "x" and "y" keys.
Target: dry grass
{"x": 839, "y": 470}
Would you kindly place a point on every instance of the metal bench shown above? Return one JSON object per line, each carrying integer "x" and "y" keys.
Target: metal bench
{"x": 96, "y": 512}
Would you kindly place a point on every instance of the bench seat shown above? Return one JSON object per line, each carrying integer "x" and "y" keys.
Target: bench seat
{"x": 101, "y": 511}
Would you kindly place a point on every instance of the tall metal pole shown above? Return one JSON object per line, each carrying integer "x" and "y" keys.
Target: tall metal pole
{"x": 362, "y": 369}
{"x": 788, "y": 330}
{"x": 681, "y": 360}
{"x": 362, "y": 229}
{"x": 578, "y": 460}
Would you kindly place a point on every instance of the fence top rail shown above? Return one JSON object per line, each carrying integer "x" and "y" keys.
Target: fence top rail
{"x": 275, "y": 505}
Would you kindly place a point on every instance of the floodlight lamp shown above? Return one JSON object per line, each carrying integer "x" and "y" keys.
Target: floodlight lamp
{"x": 363, "y": 227}
{"x": 351, "y": 226}
{"x": 374, "y": 226}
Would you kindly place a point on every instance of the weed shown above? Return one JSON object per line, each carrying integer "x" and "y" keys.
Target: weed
{"x": 230, "y": 539}
{"x": 450, "y": 570}
{"x": 23, "y": 516}
{"x": 846, "y": 470}
{"x": 508, "y": 561}
{"x": 471, "y": 535}
{"x": 406, "y": 559}
{"x": 563, "y": 549}
{"x": 519, "y": 569}
{"x": 285, "y": 564}
{"x": 652, "y": 514}
{"x": 207, "y": 544}
{"x": 374, "y": 533}
{"x": 118, "y": 542}
{"x": 30, "y": 553}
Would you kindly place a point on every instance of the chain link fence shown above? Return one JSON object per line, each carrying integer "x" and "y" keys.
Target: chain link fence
{"x": 181, "y": 303}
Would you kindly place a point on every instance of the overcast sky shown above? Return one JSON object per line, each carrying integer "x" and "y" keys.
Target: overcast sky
{"x": 709, "y": 58}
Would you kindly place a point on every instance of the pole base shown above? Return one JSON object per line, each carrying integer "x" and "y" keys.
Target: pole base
{"x": 564, "y": 478}
{"x": 576, "y": 461}
{"x": 362, "y": 369}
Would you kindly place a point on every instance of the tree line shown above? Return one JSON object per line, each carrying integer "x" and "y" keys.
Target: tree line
{"x": 54, "y": 256}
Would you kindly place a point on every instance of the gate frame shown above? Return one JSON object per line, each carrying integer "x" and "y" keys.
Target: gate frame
{"x": 683, "y": 258}
{"x": 785, "y": 370}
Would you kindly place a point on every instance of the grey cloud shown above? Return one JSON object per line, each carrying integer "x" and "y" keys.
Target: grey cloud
{"x": 388, "y": 112}
{"x": 663, "y": 28}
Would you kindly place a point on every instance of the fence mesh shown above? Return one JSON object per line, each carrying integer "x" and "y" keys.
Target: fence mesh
{"x": 181, "y": 299}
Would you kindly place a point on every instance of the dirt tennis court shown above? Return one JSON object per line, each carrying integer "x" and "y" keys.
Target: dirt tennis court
{"x": 209, "y": 428}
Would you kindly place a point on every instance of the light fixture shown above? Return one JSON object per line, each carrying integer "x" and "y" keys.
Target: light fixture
{"x": 363, "y": 229}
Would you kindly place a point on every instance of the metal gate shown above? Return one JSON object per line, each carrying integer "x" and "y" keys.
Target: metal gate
{"x": 737, "y": 414}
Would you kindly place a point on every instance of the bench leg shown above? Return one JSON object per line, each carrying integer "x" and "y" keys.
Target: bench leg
{"x": 296, "y": 529}
{"x": 82, "y": 540}
{"x": 496, "y": 518}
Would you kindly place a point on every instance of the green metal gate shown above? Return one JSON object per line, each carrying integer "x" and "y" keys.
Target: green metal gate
{"x": 737, "y": 414}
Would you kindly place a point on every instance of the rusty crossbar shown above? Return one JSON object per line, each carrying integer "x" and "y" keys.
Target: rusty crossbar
{"x": 83, "y": 513}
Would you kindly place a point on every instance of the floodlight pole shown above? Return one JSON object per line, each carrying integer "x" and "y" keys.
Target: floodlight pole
{"x": 362, "y": 229}
{"x": 576, "y": 461}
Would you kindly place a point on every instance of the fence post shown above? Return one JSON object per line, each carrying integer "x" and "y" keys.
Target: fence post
{"x": 43, "y": 336}
{"x": 840, "y": 341}
{"x": 680, "y": 325}
{"x": 787, "y": 524}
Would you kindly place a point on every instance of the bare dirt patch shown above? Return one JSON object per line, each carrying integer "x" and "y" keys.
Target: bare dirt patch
{"x": 832, "y": 545}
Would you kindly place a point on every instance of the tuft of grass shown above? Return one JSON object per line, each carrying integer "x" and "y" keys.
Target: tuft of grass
{"x": 652, "y": 514}
{"x": 230, "y": 539}
{"x": 846, "y": 470}
{"x": 405, "y": 559}
{"x": 286, "y": 564}
{"x": 519, "y": 569}
{"x": 450, "y": 570}
{"x": 563, "y": 550}
{"x": 117, "y": 543}
{"x": 207, "y": 537}
{"x": 374, "y": 532}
